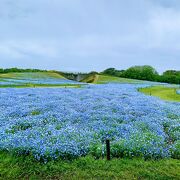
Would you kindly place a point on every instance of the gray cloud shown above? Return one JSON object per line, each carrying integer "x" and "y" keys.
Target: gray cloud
{"x": 85, "y": 35}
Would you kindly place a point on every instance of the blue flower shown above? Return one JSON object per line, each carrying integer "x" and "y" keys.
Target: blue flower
{"x": 67, "y": 123}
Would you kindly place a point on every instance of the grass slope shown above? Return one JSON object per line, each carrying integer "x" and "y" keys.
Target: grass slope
{"x": 42, "y": 75}
{"x": 103, "y": 79}
{"x": 34, "y": 75}
{"x": 165, "y": 93}
{"x": 42, "y": 86}
{"x": 21, "y": 167}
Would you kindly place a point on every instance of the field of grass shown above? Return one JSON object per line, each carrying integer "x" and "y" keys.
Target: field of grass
{"x": 103, "y": 79}
{"x": 35, "y": 79}
{"x": 43, "y": 86}
{"x": 14, "y": 167}
{"x": 42, "y": 75}
{"x": 163, "y": 92}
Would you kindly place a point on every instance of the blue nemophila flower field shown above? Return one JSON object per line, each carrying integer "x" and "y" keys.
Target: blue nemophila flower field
{"x": 49, "y": 123}
{"x": 48, "y": 81}
{"x": 22, "y": 79}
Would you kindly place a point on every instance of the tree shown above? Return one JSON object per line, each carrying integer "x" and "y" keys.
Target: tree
{"x": 113, "y": 72}
{"x": 109, "y": 71}
{"x": 171, "y": 73}
{"x": 141, "y": 72}
{"x": 1, "y": 70}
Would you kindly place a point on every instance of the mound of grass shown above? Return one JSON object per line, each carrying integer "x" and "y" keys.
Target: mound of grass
{"x": 43, "y": 86}
{"x": 21, "y": 167}
{"x": 103, "y": 79}
{"x": 35, "y": 79}
{"x": 163, "y": 92}
{"x": 42, "y": 75}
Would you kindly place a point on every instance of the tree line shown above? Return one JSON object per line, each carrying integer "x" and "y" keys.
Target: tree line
{"x": 16, "y": 70}
{"x": 135, "y": 72}
{"x": 145, "y": 73}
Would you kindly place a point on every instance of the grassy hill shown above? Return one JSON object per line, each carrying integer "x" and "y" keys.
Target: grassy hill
{"x": 31, "y": 75}
{"x": 163, "y": 92}
{"x": 53, "y": 79}
{"x": 34, "y": 79}
{"x": 103, "y": 79}
{"x": 166, "y": 93}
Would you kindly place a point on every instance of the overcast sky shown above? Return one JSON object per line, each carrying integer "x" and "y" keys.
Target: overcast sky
{"x": 86, "y": 35}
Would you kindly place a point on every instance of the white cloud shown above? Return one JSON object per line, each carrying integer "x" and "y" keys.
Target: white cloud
{"x": 71, "y": 33}
{"x": 164, "y": 28}
{"x": 8, "y": 52}
{"x": 25, "y": 48}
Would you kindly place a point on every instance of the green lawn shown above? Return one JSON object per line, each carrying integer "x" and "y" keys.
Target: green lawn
{"x": 102, "y": 79}
{"x": 31, "y": 75}
{"x": 34, "y": 75}
{"x": 105, "y": 79}
{"x": 43, "y": 86}
{"x": 163, "y": 92}
{"x": 12, "y": 167}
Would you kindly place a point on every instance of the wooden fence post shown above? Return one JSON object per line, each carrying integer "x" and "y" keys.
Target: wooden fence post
{"x": 108, "y": 151}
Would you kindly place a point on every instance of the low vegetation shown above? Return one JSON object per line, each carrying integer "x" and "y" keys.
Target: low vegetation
{"x": 103, "y": 79}
{"x": 31, "y": 75}
{"x": 163, "y": 92}
{"x": 25, "y": 167}
{"x": 35, "y": 79}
